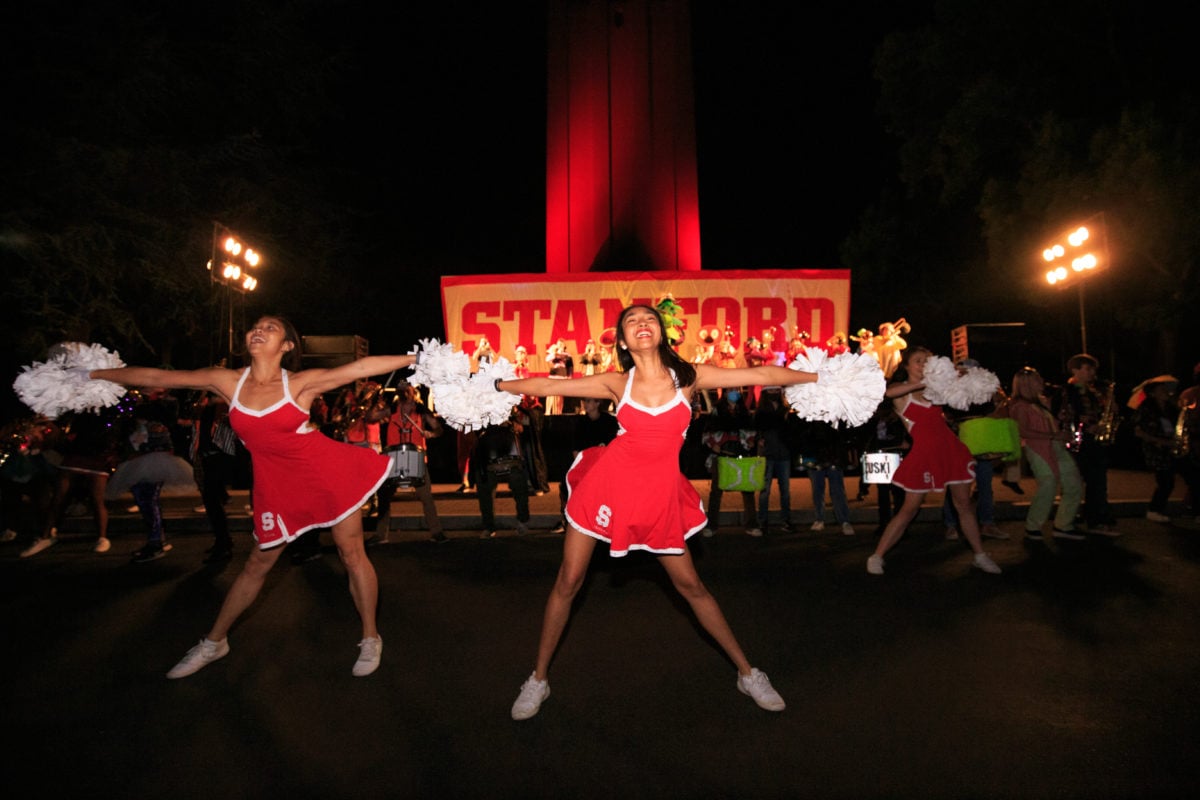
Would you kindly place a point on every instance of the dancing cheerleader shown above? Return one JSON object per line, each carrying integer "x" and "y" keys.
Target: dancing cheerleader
{"x": 302, "y": 479}
{"x": 937, "y": 462}
{"x": 630, "y": 493}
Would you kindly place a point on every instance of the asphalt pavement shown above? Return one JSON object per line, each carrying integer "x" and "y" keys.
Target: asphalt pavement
{"x": 1071, "y": 675}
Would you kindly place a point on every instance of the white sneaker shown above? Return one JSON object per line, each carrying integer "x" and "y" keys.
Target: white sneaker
{"x": 8, "y": 535}
{"x": 533, "y": 693}
{"x": 370, "y": 651}
{"x": 1155, "y": 516}
{"x": 103, "y": 545}
{"x": 200, "y": 657}
{"x": 847, "y": 529}
{"x": 758, "y": 686}
{"x": 39, "y": 544}
{"x": 875, "y": 565}
{"x": 755, "y": 532}
{"x": 708, "y": 533}
{"x": 984, "y": 562}
{"x": 817, "y": 526}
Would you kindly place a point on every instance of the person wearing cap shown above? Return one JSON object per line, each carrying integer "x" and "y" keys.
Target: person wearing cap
{"x": 1156, "y": 415}
{"x": 1080, "y": 407}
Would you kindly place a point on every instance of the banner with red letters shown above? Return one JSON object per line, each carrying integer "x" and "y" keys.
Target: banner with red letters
{"x": 537, "y": 310}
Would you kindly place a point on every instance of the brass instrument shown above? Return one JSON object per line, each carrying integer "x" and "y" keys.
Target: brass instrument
{"x": 1181, "y": 443}
{"x": 1067, "y": 420}
{"x": 1106, "y": 427}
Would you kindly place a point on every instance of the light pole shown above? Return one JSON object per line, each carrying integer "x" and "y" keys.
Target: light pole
{"x": 1076, "y": 254}
{"x": 234, "y": 265}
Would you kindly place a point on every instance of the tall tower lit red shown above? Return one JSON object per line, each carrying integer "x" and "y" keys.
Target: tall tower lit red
{"x": 621, "y": 187}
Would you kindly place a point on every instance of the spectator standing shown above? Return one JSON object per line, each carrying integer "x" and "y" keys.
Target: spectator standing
{"x": 828, "y": 452}
{"x": 772, "y": 420}
{"x": 885, "y": 432}
{"x": 729, "y": 431}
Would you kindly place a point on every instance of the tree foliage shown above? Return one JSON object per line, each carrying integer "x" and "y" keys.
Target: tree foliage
{"x": 1017, "y": 120}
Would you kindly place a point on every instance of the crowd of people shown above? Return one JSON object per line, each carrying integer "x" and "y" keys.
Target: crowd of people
{"x": 320, "y": 465}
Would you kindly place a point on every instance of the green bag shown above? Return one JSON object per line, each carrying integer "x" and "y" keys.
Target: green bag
{"x": 741, "y": 474}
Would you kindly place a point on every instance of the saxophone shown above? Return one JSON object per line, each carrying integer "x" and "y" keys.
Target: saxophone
{"x": 1106, "y": 428}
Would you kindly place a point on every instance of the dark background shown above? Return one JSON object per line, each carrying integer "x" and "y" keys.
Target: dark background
{"x": 930, "y": 147}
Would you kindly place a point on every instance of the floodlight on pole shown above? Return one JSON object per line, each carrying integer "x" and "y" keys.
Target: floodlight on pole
{"x": 233, "y": 265}
{"x": 1077, "y": 253}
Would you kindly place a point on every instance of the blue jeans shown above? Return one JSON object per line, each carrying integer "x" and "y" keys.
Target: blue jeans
{"x": 985, "y": 510}
{"x": 146, "y": 495}
{"x": 779, "y": 470}
{"x": 837, "y": 492}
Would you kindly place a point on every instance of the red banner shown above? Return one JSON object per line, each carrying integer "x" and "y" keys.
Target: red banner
{"x": 536, "y": 310}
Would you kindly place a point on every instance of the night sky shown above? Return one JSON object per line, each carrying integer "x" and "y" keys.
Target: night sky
{"x": 790, "y": 150}
{"x": 416, "y": 134}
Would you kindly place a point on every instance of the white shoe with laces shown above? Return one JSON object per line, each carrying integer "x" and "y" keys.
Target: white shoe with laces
{"x": 984, "y": 562}
{"x": 370, "y": 651}
{"x": 755, "y": 532}
{"x": 40, "y": 544}
{"x": 817, "y": 526}
{"x": 847, "y": 529}
{"x": 529, "y": 701}
{"x": 199, "y": 657}
{"x": 758, "y": 686}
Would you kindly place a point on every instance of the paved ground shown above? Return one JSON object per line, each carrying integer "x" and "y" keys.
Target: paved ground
{"x": 1072, "y": 675}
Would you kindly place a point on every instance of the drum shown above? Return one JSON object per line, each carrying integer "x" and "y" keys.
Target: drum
{"x": 879, "y": 467}
{"x": 990, "y": 437}
{"x": 408, "y": 464}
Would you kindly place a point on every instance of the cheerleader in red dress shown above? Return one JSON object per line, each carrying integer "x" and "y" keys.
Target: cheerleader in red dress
{"x": 302, "y": 479}
{"x": 290, "y": 497}
{"x": 937, "y": 462}
{"x": 631, "y": 494}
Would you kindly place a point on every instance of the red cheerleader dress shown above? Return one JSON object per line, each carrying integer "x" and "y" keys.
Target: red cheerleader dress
{"x": 630, "y": 492}
{"x": 937, "y": 458}
{"x": 302, "y": 478}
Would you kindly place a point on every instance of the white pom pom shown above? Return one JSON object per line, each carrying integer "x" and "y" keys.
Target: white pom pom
{"x": 464, "y": 400}
{"x": 849, "y": 387}
{"x": 59, "y": 385}
{"x": 439, "y": 365}
{"x": 945, "y": 386}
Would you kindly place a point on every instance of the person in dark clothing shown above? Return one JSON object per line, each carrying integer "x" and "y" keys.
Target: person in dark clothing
{"x": 595, "y": 427}
{"x": 885, "y": 433}
{"x": 531, "y": 415}
{"x": 771, "y": 421}
{"x": 214, "y": 464}
{"x": 497, "y": 457}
